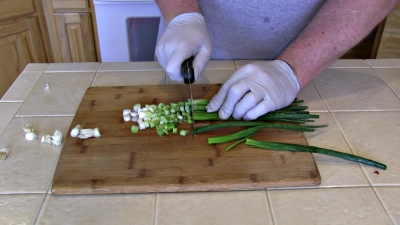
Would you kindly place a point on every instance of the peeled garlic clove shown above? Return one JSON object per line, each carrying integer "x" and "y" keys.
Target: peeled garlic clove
{"x": 30, "y": 136}
{"x": 57, "y": 136}
{"x": 4, "y": 153}
{"x": 28, "y": 129}
{"x": 96, "y": 132}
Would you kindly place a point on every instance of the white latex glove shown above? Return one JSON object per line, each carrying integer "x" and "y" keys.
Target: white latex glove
{"x": 255, "y": 89}
{"x": 185, "y": 36}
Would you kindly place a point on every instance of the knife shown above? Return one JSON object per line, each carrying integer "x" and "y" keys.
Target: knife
{"x": 188, "y": 78}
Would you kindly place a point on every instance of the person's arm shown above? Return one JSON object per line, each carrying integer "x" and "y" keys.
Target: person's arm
{"x": 185, "y": 36}
{"x": 171, "y": 9}
{"x": 338, "y": 26}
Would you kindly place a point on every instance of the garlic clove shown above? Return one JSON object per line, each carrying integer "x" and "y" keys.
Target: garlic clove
{"x": 30, "y": 136}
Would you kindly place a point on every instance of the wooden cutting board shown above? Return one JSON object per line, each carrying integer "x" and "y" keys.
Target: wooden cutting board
{"x": 123, "y": 162}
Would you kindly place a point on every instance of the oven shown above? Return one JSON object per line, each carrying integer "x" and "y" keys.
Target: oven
{"x": 127, "y": 29}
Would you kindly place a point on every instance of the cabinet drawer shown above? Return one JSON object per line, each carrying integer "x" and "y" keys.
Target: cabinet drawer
{"x": 13, "y": 8}
{"x": 70, "y": 4}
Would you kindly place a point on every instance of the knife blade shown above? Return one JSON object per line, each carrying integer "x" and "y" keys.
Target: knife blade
{"x": 188, "y": 78}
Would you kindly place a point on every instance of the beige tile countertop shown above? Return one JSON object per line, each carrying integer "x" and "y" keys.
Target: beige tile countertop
{"x": 358, "y": 99}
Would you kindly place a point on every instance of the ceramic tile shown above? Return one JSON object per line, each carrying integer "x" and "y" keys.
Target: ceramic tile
{"x": 62, "y": 98}
{"x": 7, "y": 112}
{"x": 334, "y": 172}
{"x": 390, "y": 197}
{"x": 209, "y": 77}
{"x": 241, "y": 207}
{"x": 131, "y": 78}
{"x": 355, "y": 89}
{"x": 130, "y": 66}
{"x": 72, "y": 67}
{"x": 98, "y": 209}
{"x": 327, "y": 206}
{"x": 21, "y": 87}
{"x": 392, "y": 78}
{"x": 311, "y": 99}
{"x": 374, "y": 135}
{"x": 349, "y": 63}
{"x": 40, "y": 67}
{"x": 383, "y": 63}
{"x": 20, "y": 209}
{"x": 220, "y": 64}
{"x": 30, "y": 165}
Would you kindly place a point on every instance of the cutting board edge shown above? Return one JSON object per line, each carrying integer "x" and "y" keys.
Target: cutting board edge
{"x": 206, "y": 187}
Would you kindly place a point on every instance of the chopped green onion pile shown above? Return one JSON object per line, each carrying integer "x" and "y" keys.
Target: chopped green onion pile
{"x": 163, "y": 117}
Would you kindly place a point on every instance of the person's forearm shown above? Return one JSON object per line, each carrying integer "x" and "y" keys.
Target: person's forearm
{"x": 337, "y": 27}
{"x": 171, "y": 9}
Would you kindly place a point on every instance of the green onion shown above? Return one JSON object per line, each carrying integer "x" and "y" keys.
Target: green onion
{"x": 211, "y": 127}
{"x": 183, "y": 132}
{"x": 313, "y": 149}
{"x": 234, "y": 136}
{"x": 134, "y": 129}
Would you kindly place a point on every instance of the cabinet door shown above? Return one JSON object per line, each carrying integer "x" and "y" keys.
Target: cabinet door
{"x": 70, "y": 4}
{"x": 14, "y": 8}
{"x": 75, "y": 37}
{"x": 20, "y": 44}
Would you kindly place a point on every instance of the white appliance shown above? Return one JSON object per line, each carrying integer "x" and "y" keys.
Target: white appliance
{"x": 127, "y": 29}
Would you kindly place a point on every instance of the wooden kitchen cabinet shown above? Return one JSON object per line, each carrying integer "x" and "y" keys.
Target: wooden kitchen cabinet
{"x": 71, "y": 29}
{"x": 21, "y": 41}
{"x": 75, "y": 37}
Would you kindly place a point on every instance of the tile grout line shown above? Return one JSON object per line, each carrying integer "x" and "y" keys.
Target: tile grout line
{"x": 351, "y": 148}
{"x": 41, "y": 208}
{"x": 270, "y": 207}
{"x": 155, "y": 210}
{"x": 394, "y": 92}
{"x": 383, "y": 206}
{"x": 95, "y": 75}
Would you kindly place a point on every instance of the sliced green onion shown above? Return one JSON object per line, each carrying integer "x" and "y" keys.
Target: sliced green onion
{"x": 183, "y": 132}
{"x": 134, "y": 129}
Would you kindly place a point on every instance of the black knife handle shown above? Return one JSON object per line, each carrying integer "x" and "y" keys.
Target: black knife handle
{"x": 187, "y": 71}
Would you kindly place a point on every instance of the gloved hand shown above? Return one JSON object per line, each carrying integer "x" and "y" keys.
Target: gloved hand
{"x": 185, "y": 36}
{"x": 255, "y": 89}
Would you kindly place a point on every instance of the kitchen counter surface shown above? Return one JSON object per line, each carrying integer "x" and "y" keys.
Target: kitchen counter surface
{"x": 358, "y": 99}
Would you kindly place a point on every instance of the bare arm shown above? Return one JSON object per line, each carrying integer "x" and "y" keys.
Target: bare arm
{"x": 337, "y": 27}
{"x": 171, "y": 9}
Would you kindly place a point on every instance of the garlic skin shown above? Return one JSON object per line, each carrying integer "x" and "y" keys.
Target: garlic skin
{"x": 29, "y": 134}
{"x": 46, "y": 139}
{"x": 4, "y": 153}
{"x": 56, "y": 143}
